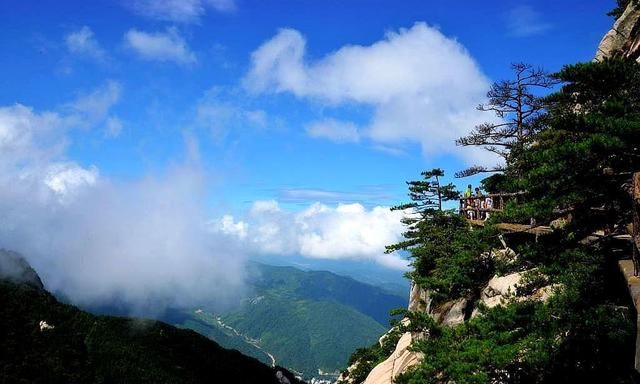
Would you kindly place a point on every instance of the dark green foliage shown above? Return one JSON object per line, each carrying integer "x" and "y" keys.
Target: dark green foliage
{"x": 582, "y": 334}
{"x": 496, "y": 183}
{"x": 428, "y": 194}
{"x": 207, "y": 326}
{"x": 426, "y": 206}
{"x": 446, "y": 254}
{"x": 582, "y": 161}
{"x": 83, "y": 348}
{"x": 580, "y": 164}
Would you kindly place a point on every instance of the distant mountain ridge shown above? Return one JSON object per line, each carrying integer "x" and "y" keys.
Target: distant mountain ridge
{"x": 45, "y": 341}
{"x": 368, "y": 299}
{"x": 308, "y": 320}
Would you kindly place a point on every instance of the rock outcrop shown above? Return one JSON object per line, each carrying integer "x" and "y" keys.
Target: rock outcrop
{"x": 623, "y": 40}
{"x": 400, "y": 360}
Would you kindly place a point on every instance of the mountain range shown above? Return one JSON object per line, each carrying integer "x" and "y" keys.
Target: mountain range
{"x": 45, "y": 341}
{"x": 308, "y": 321}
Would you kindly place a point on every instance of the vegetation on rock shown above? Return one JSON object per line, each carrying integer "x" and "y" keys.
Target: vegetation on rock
{"x": 576, "y": 167}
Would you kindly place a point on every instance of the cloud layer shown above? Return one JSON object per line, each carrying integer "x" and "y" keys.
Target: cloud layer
{"x": 142, "y": 243}
{"x": 423, "y": 86}
{"x": 345, "y": 231}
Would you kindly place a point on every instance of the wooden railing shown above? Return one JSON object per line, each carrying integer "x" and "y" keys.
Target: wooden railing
{"x": 477, "y": 207}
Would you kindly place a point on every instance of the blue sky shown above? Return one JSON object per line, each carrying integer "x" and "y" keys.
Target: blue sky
{"x": 291, "y": 113}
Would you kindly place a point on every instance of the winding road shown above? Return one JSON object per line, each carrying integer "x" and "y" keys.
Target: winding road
{"x": 247, "y": 339}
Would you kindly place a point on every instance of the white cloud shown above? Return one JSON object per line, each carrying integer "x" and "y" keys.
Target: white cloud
{"x": 524, "y": 20}
{"x": 345, "y": 231}
{"x": 228, "y": 226}
{"x": 423, "y": 86}
{"x": 31, "y": 137}
{"x": 182, "y": 11}
{"x": 25, "y": 135}
{"x": 334, "y": 130}
{"x": 65, "y": 178}
{"x": 160, "y": 46}
{"x": 82, "y": 42}
{"x": 143, "y": 242}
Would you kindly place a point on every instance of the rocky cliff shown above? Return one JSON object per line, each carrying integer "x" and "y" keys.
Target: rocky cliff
{"x": 623, "y": 40}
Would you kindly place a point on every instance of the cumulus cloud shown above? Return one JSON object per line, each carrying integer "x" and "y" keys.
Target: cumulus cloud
{"x": 228, "y": 226}
{"x": 65, "y": 178}
{"x": 82, "y": 42}
{"x": 524, "y": 20}
{"x": 143, "y": 242}
{"x": 422, "y": 85}
{"x": 168, "y": 46}
{"x": 345, "y": 231}
{"x": 182, "y": 11}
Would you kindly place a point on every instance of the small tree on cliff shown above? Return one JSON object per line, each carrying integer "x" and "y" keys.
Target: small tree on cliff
{"x": 518, "y": 112}
{"x": 427, "y": 196}
{"x": 444, "y": 252}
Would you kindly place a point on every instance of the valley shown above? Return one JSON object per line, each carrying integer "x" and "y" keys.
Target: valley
{"x": 308, "y": 321}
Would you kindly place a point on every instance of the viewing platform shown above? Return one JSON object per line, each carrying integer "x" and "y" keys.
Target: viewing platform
{"x": 475, "y": 206}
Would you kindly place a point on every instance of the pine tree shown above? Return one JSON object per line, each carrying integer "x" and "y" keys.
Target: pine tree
{"x": 518, "y": 112}
{"x": 444, "y": 252}
{"x": 583, "y": 162}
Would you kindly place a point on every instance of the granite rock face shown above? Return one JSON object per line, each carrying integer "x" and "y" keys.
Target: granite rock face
{"x": 400, "y": 360}
{"x": 623, "y": 40}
